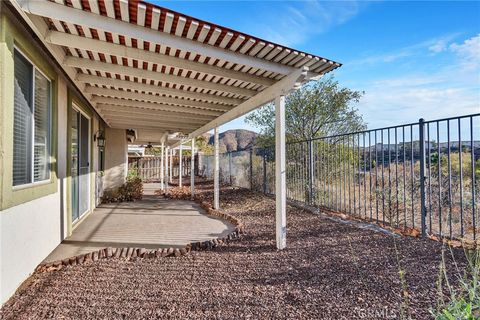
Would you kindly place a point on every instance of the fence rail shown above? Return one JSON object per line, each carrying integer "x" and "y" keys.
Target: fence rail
{"x": 148, "y": 168}
{"x": 423, "y": 175}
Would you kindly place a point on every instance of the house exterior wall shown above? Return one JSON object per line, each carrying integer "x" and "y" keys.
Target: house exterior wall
{"x": 35, "y": 218}
{"x": 116, "y": 157}
{"x": 29, "y": 216}
{"x": 12, "y": 37}
{"x": 62, "y": 148}
{"x": 28, "y": 232}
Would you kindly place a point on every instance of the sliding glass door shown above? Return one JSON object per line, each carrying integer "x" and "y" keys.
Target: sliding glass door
{"x": 80, "y": 166}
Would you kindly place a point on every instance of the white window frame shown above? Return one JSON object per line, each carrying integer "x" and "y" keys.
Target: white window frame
{"x": 50, "y": 128}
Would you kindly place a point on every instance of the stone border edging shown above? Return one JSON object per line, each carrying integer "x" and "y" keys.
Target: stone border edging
{"x": 129, "y": 253}
{"x": 209, "y": 244}
{"x": 126, "y": 253}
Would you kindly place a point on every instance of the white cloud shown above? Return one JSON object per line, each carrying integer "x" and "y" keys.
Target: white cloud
{"x": 434, "y": 45}
{"x": 390, "y": 105}
{"x": 439, "y": 46}
{"x": 381, "y": 58}
{"x": 452, "y": 89}
{"x": 469, "y": 52}
{"x": 293, "y": 24}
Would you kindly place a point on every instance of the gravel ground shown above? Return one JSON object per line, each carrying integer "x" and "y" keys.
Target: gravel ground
{"x": 330, "y": 270}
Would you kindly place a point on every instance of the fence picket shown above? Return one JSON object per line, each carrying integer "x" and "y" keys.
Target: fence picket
{"x": 323, "y": 172}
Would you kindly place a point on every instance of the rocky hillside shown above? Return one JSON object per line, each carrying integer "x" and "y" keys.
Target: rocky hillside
{"x": 235, "y": 140}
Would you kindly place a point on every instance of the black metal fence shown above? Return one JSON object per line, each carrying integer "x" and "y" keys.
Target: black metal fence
{"x": 423, "y": 175}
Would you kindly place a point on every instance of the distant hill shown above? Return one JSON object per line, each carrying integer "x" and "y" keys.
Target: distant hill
{"x": 235, "y": 140}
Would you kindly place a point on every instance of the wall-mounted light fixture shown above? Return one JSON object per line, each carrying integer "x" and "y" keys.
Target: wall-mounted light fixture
{"x": 99, "y": 137}
{"x": 131, "y": 135}
{"x": 149, "y": 146}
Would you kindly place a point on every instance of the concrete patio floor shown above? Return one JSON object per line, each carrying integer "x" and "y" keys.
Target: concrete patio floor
{"x": 150, "y": 223}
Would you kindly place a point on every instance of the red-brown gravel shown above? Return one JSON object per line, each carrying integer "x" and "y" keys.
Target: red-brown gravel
{"x": 330, "y": 270}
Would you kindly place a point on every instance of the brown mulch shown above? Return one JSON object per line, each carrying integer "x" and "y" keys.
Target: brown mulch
{"x": 330, "y": 270}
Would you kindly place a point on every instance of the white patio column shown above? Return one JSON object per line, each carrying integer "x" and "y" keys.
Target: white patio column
{"x": 216, "y": 172}
{"x": 180, "y": 165}
{"x": 167, "y": 149}
{"x": 192, "y": 169}
{"x": 170, "y": 166}
{"x": 161, "y": 168}
{"x": 280, "y": 174}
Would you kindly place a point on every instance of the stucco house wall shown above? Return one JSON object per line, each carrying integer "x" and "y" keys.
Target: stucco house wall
{"x": 116, "y": 158}
{"x": 35, "y": 218}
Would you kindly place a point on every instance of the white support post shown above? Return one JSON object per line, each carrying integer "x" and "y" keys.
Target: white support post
{"x": 216, "y": 172}
{"x": 280, "y": 174}
{"x": 171, "y": 166}
{"x": 162, "y": 168}
{"x": 180, "y": 165}
{"x": 192, "y": 169}
{"x": 167, "y": 149}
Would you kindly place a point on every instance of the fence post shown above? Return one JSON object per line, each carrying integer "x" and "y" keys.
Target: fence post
{"x": 264, "y": 171}
{"x": 310, "y": 170}
{"x": 421, "y": 128}
{"x": 251, "y": 169}
{"x": 230, "y": 167}
{"x": 139, "y": 172}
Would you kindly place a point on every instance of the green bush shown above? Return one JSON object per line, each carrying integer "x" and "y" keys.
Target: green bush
{"x": 132, "y": 173}
{"x": 131, "y": 190}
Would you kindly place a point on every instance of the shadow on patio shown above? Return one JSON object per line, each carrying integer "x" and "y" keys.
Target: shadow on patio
{"x": 151, "y": 223}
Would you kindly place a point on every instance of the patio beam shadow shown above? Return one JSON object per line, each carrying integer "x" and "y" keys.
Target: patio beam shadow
{"x": 169, "y": 223}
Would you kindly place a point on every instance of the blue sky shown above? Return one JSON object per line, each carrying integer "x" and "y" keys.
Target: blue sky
{"x": 412, "y": 59}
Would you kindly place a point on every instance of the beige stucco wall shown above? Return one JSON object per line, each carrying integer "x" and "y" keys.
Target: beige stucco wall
{"x": 115, "y": 158}
{"x": 98, "y": 175}
{"x": 62, "y": 175}
{"x": 11, "y": 36}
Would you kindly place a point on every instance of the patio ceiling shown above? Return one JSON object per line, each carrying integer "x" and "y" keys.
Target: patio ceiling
{"x": 148, "y": 68}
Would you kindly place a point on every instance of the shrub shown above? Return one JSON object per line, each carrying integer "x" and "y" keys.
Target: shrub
{"x": 110, "y": 195}
{"x": 463, "y": 300}
{"x": 132, "y": 190}
{"x": 132, "y": 174}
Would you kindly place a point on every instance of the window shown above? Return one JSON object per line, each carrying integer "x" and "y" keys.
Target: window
{"x": 31, "y": 123}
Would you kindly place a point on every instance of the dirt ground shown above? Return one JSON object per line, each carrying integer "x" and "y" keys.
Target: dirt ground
{"x": 330, "y": 270}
